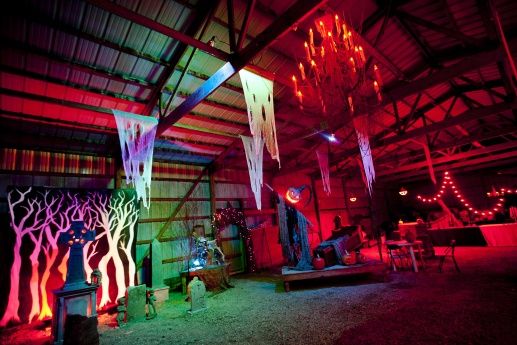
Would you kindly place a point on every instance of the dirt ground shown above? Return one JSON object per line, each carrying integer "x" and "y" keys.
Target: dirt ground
{"x": 476, "y": 306}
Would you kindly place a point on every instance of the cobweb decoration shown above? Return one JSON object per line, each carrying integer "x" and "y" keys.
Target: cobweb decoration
{"x": 323, "y": 161}
{"x": 254, "y": 156}
{"x": 136, "y": 135}
{"x": 258, "y": 93}
{"x": 361, "y": 130}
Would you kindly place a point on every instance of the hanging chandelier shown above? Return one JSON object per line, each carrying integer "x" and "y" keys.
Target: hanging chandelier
{"x": 334, "y": 74}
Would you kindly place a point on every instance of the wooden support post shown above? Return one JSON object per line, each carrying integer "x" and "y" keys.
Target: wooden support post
{"x": 347, "y": 204}
{"x": 211, "y": 176}
{"x": 316, "y": 207}
{"x": 174, "y": 213}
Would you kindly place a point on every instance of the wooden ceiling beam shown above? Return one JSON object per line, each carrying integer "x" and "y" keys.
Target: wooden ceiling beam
{"x": 50, "y": 79}
{"x": 202, "y": 15}
{"x": 466, "y": 65}
{"x": 482, "y": 136}
{"x": 469, "y": 115}
{"x": 460, "y": 160}
{"x": 439, "y": 28}
{"x": 250, "y": 6}
{"x": 28, "y": 14}
{"x": 75, "y": 65}
{"x": 299, "y": 11}
{"x": 147, "y": 22}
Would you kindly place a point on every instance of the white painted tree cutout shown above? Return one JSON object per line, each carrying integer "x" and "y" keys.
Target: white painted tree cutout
{"x": 254, "y": 158}
{"x": 323, "y": 161}
{"x": 38, "y": 216}
{"x": 361, "y": 130}
{"x": 258, "y": 93}
{"x": 136, "y": 135}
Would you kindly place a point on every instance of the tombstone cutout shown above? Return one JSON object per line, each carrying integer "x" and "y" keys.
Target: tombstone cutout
{"x": 76, "y": 237}
{"x": 76, "y": 297}
{"x": 156, "y": 263}
{"x": 136, "y": 303}
{"x": 197, "y": 292}
{"x": 161, "y": 291}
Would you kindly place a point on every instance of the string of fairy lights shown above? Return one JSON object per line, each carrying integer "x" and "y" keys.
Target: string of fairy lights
{"x": 448, "y": 183}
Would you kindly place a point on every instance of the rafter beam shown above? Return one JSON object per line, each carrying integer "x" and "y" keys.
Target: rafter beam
{"x": 469, "y": 115}
{"x": 278, "y": 28}
{"x": 439, "y": 28}
{"x": 231, "y": 25}
{"x": 147, "y": 22}
{"x": 74, "y": 64}
{"x": 245, "y": 23}
{"x": 58, "y": 81}
{"x": 492, "y": 153}
{"x": 201, "y": 15}
{"x": 448, "y": 145}
{"x": 466, "y": 65}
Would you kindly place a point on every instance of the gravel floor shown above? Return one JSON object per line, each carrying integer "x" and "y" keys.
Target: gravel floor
{"x": 476, "y": 306}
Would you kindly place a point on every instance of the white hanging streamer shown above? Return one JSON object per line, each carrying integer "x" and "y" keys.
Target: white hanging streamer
{"x": 258, "y": 93}
{"x": 323, "y": 160}
{"x": 361, "y": 130}
{"x": 254, "y": 158}
{"x": 136, "y": 135}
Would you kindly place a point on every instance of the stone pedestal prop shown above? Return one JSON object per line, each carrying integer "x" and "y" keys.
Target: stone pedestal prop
{"x": 197, "y": 292}
{"x": 161, "y": 291}
{"x": 136, "y": 303}
{"x": 76, "y": 296}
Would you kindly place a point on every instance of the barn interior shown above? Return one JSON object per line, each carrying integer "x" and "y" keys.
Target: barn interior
{"x": 246, "y": 143}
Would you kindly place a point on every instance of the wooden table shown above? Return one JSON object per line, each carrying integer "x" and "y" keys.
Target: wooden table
{"x": 410, "y": 246}
{"x": 214, "y": 276}
{"x": 371, "y": 266}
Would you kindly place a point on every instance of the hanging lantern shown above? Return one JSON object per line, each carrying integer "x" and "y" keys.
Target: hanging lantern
{"x": 403, "y": 191}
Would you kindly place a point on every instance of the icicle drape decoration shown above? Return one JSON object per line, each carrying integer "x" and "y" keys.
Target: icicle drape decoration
{"x": 254, "y": 156}
{"x": 258, "y": 93}
{"x": 323, "y": 161}
{"x": 361, "y": 129}
{"x": 136, "y": 135}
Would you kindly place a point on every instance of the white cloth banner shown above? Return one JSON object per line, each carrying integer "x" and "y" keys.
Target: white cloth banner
{"x": 361, "y": 130}
{"x": 258, "y": 93}
{"x": 254, "y": 158}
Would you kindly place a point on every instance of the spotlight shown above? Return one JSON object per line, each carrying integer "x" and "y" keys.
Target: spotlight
{"x": 332, "y": 138}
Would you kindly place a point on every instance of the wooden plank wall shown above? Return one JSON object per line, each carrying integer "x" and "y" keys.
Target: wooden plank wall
{"x": 51, "y": 169}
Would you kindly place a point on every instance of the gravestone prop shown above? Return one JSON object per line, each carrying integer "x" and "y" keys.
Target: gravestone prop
{"x": 121, "y": 311}
{"x": 161, "y": 291}
{"x": 81, "y": 330}
{"x": 136, "y": 301}
{"x": 197, "y": 293}
{"x": 151, "y": 308}
{"x": 76, "y": 297}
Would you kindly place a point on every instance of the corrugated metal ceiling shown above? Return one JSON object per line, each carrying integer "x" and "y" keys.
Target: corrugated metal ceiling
{"x": 72, "y": 61}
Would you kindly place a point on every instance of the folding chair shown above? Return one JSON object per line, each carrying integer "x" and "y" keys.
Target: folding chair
{"x": 399, "y": 256}
{"x": 449, "y": 251}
